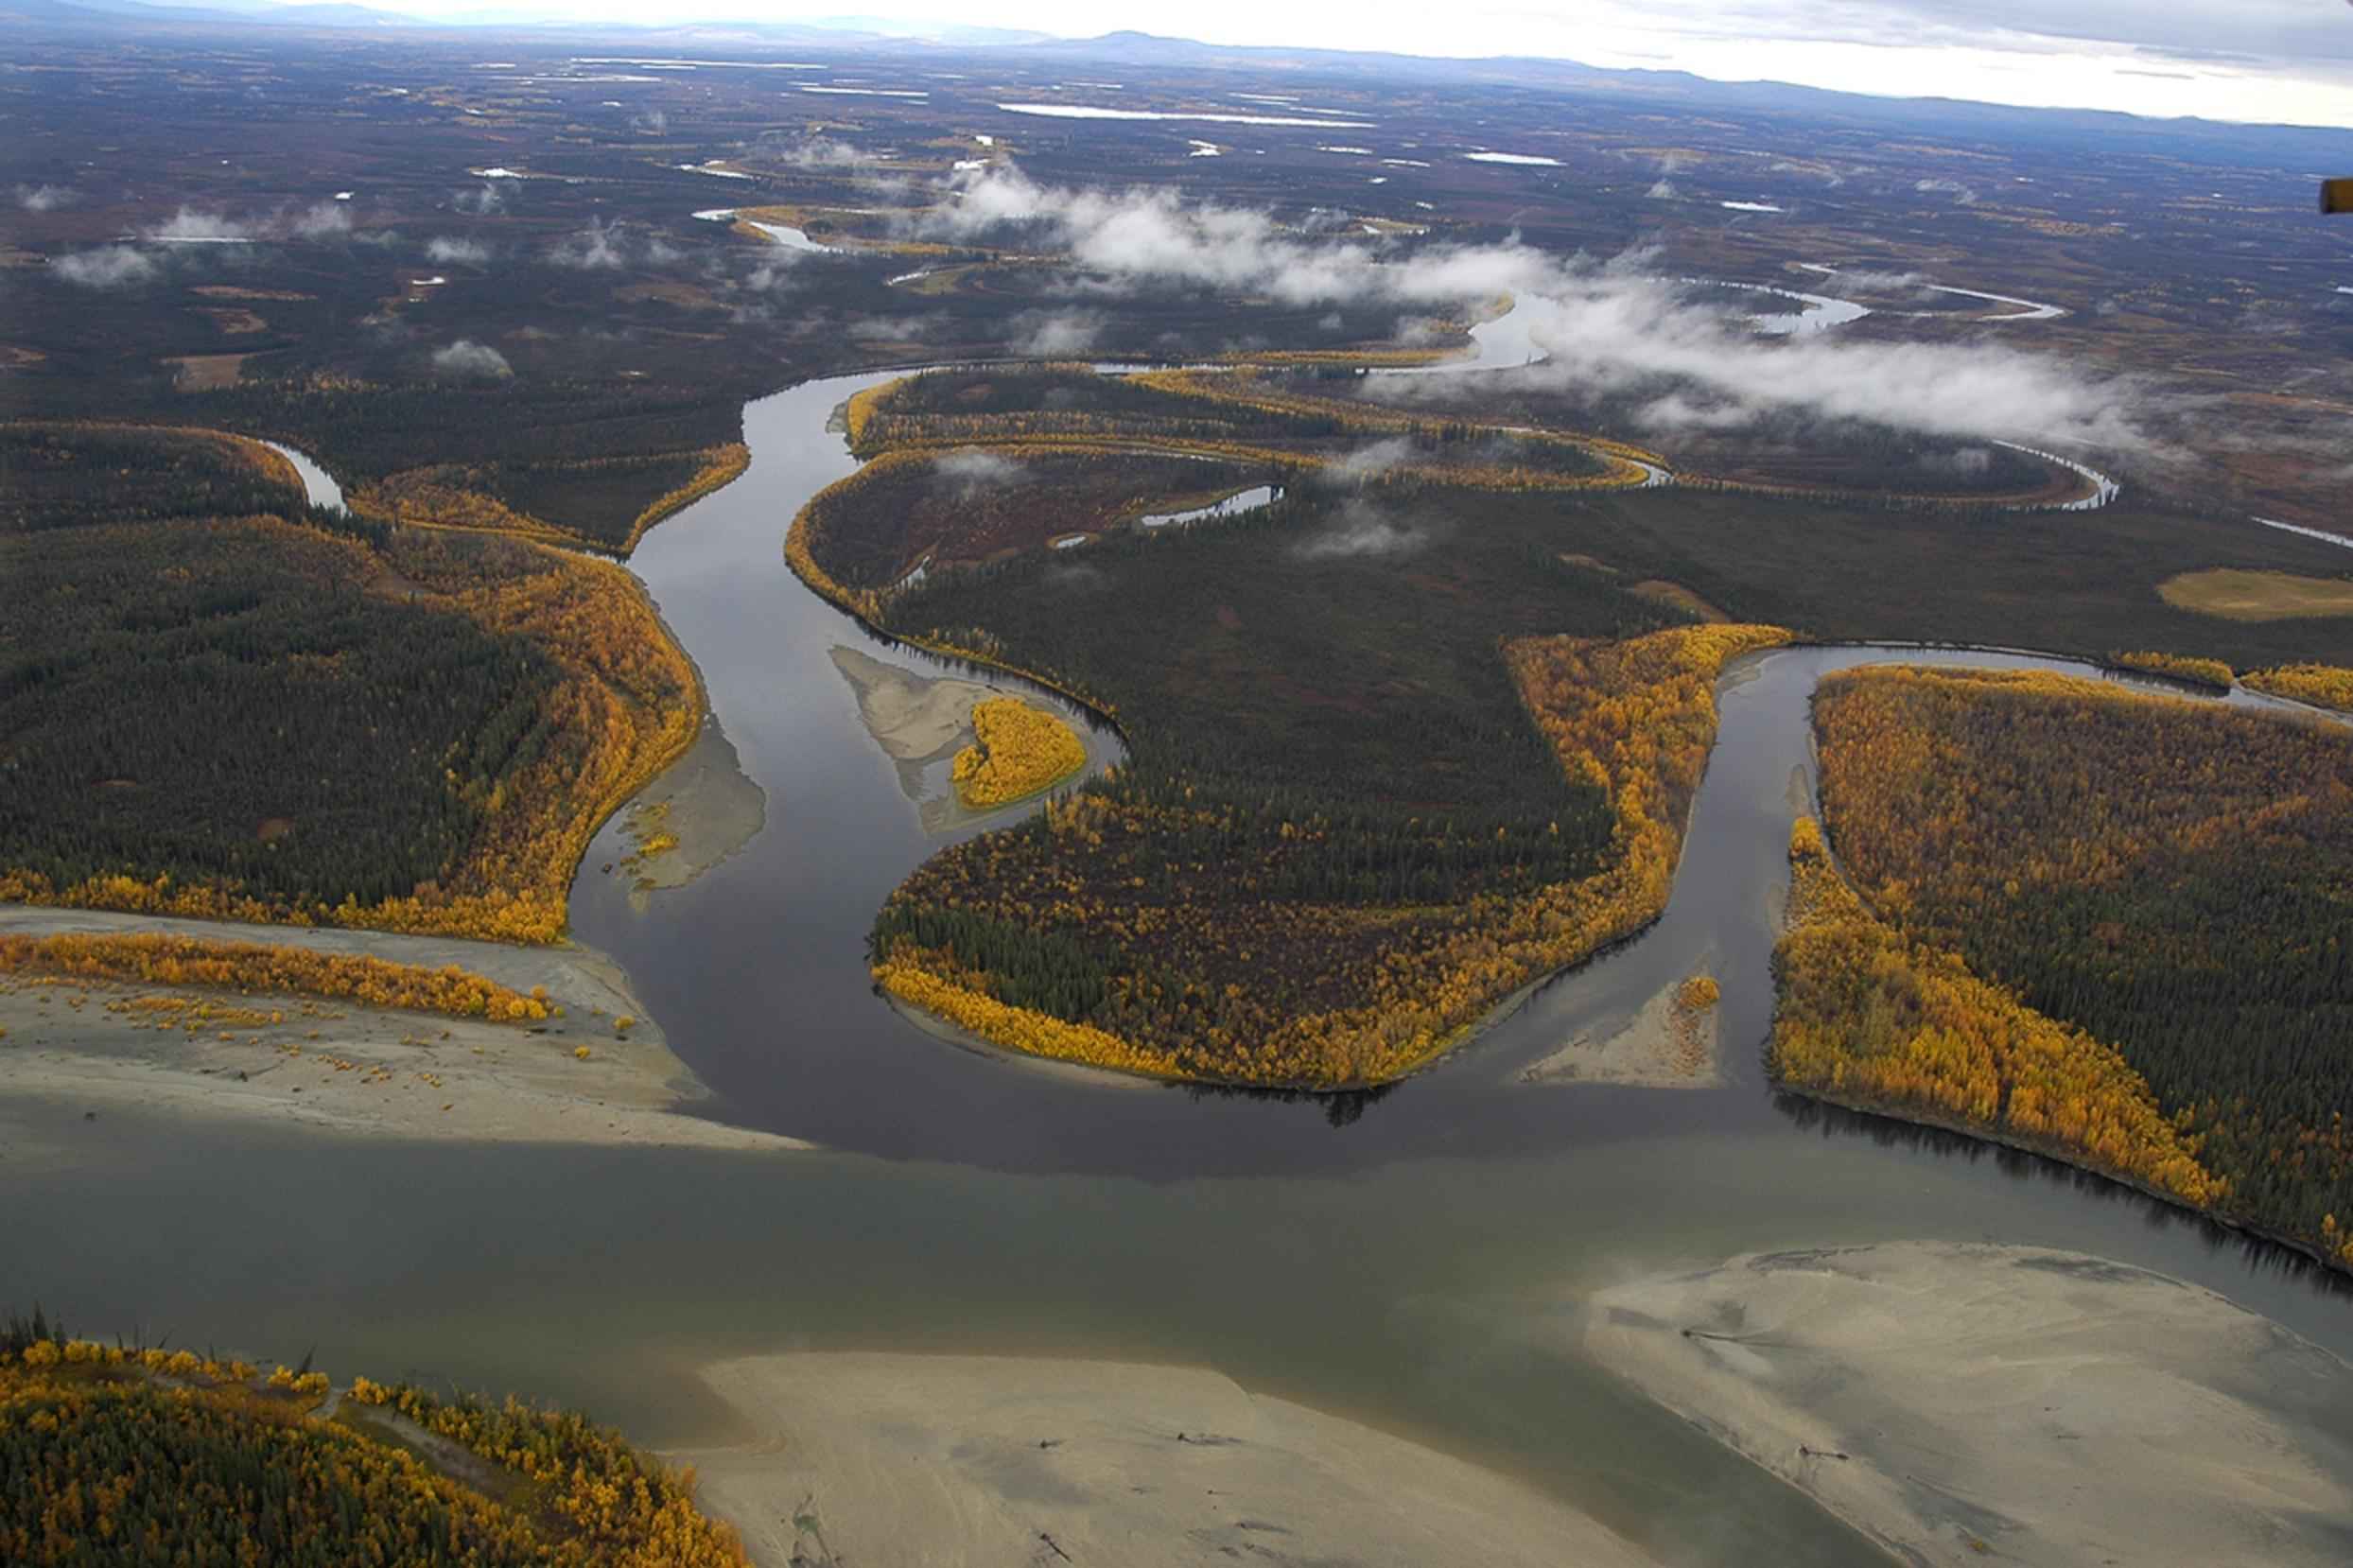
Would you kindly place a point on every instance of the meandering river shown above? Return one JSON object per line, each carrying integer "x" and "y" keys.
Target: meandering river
{"x": 1414, "y": 1258}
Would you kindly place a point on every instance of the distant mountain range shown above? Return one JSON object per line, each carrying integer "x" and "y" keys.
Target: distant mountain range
{"x": 2315, "y": 148}
{"x": 827, "y": 29}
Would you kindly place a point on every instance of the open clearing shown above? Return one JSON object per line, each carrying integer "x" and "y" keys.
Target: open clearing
{"x": 206, "y": 372}
{"x": 1674, "y": 596}
{"x": 2238, "y": 595}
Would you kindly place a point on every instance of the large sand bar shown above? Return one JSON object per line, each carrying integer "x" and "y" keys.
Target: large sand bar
{"x": 1008, "y": 1462}
{"x": 1978, "y": 1404}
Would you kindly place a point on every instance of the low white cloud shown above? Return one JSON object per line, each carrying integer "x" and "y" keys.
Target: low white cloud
{"x": 467, "y": 361}
{"x": 1610, "y": 333}
{"x": 449, "y": 250}
{"x": 1359, "y": 531}
{"x": 486, "y": 198}
{"x": 970, "y": 472}
{"x": 1953, "y": 188}
{"x": 826, "y": 153}
{"x": 41, "y": 199}
{"x": 1864, "y": 281}
{"x": 1145, "y": 236}
{"x": 1055, "y": 334}
{"x": 973, "y": 467}
{"x": 108, "y": 267}
{"x": 1607, "y": 326}
{"x": 1376, "y": 458}
{"x": 1966, "y": 460}
{"x": 193, "y": 223}
{"x": 322, "y": 220}
{"x": 598, "y": 247}
{"x": 1663, "y": 191}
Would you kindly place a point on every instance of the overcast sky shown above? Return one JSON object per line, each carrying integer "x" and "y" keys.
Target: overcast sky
{"x": 2247, "y": 60}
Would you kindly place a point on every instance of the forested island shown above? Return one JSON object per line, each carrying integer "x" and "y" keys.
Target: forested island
{"x": 2108, "y": 924}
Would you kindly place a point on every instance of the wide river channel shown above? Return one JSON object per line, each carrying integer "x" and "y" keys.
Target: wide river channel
{"x": 1416, "y": 1259}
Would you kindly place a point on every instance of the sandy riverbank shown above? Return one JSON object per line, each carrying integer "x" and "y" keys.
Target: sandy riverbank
{"x": 930, "y": 1461}
{"x": 1665, "y": 1045}
{"x": 703, "y": 804}
{"x": 921, "y": 721}
{"x": 914, "y": 718}
{"x": 1968, "y": 1403}
{"x": 75, "y": 1048}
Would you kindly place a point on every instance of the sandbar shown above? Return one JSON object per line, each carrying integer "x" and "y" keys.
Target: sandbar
{"x": 704, "y": 804}
{"x": 921, "y": 721}
{"x": 1661, "y": 1046}
{"x": 913, "y": 717}
{"x": 924, "y": 1461}
{"x": 345, "y": 1069}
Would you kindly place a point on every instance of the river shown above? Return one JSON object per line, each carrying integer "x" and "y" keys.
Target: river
{"x": 1414, "y": 1258}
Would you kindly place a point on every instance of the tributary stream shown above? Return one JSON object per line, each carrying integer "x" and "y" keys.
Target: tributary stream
{"x": 1416, "y": 1259}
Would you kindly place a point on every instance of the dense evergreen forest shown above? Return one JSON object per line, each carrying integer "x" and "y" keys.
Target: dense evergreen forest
{"x": 2176, "y": 879}
{"x": 1272, "y": 662}
{"x": 1007, "y": 402}
{"x": 236, "y": 703}
{"x": 604, "y": 504}
{"x": 1332, "y": 781}
{"x": 597, "y": 456}
{"x": 317, "y": 719}
{"x": 1291, "y": 417}
{"x": 2081, "y": 583}
{"x": 146, "y": 1458}
{"x": 64, "y": 476}
{"x": 1333, "y": 786}
{"x": 965, "y": 505}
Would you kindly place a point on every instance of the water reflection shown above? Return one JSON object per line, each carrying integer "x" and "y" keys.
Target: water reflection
{"x": 1340, "y": 1108}
{"x": 2259, "y": 1254}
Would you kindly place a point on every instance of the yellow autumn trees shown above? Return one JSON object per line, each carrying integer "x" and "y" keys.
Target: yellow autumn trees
{"x": 1635, "y": 717}
{"x": 456, "y": 497}
{"x": 625, "y": 704}
{"x": 628, "y": 704}
{"x": 913, "y": 975}
{"x": 721, "y": 466}
{"x": 1698, "y": 993}
{"x": 1018, "y": 751}
{"x": 436, "y": 497}
{"x": 1867, "y": 1020}
{"x": 2141, "y": 900}
{"x": 247, "y": 966}
{"x": 2322, "y": 685}
{"x": 1618, "y": 464}
{"x": 108, "y": 1455}
{"x": 2209, "y": 673}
